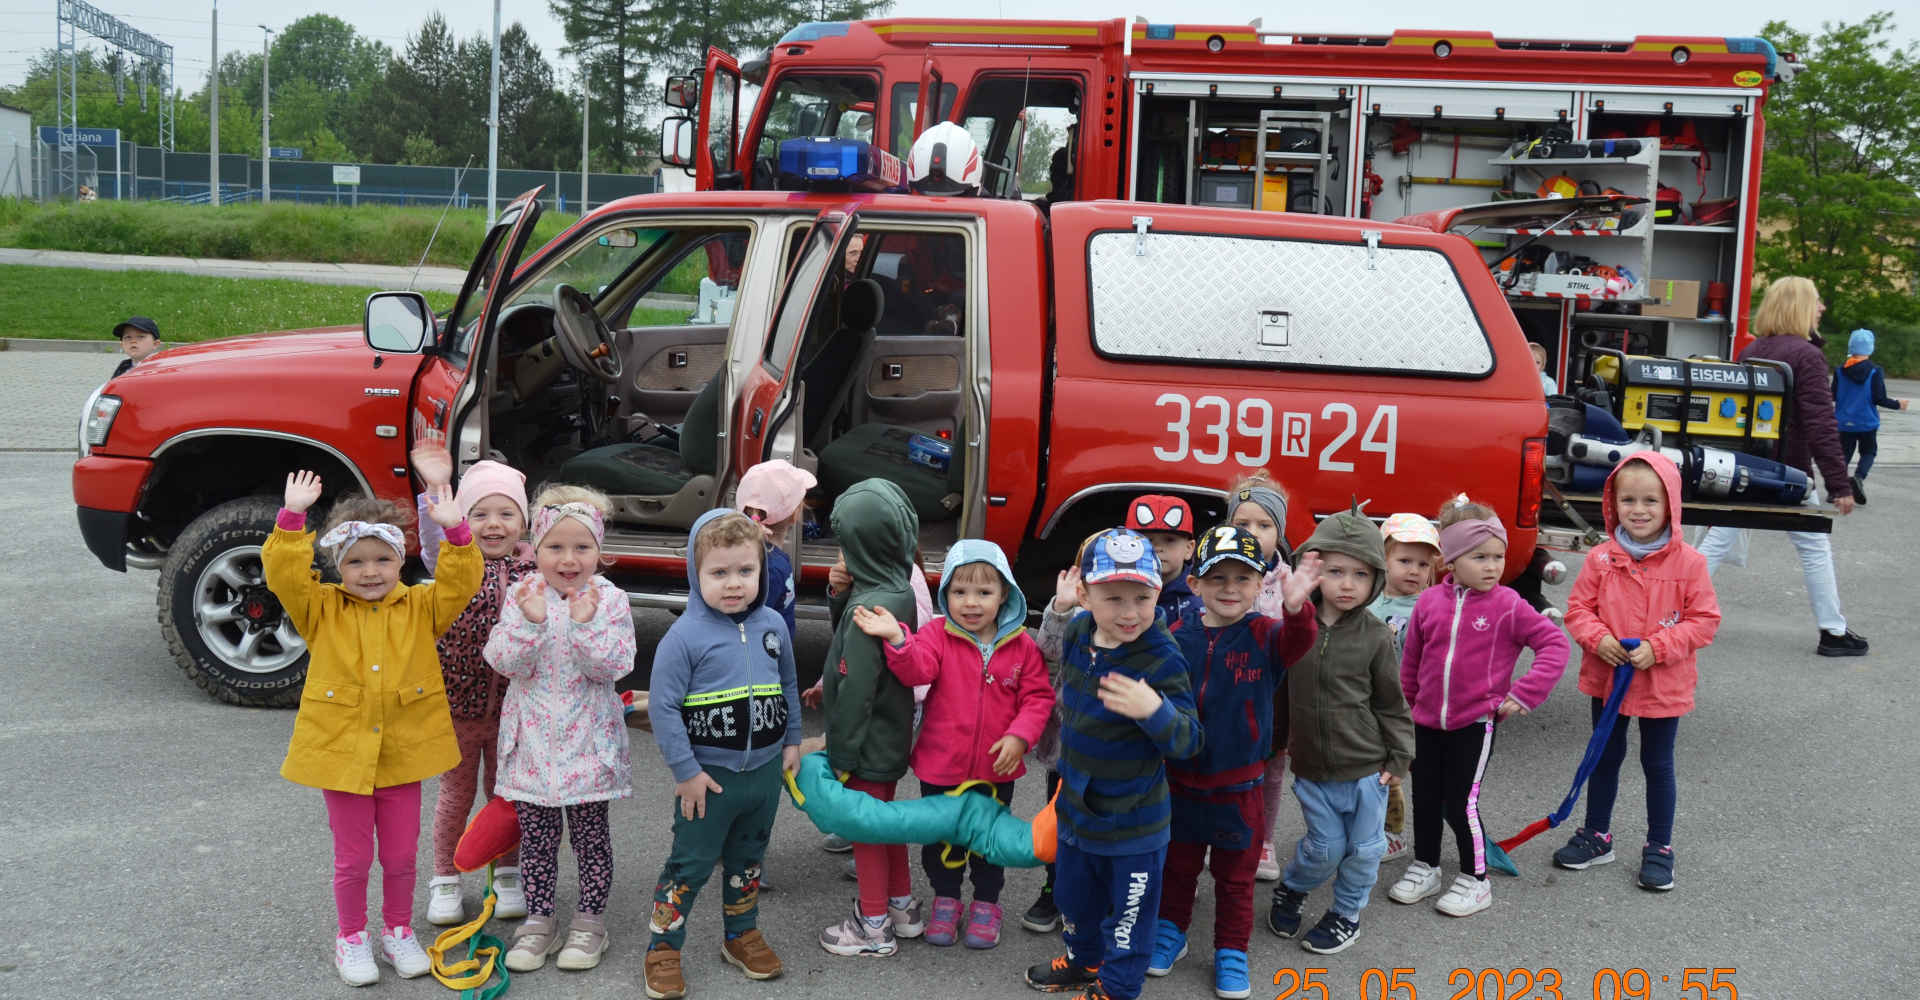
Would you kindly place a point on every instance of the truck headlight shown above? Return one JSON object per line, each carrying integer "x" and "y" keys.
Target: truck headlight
{"x": 99, "y": 420}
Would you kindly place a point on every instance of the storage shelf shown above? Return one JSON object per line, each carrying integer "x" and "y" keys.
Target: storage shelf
{"x": 1620, "y": 318}
{"x": 1679, "y": 152}
{"x": 1578, "y": 161}
{"x": 1672, "y": 227}
{"x": 1628, "y": 300}
{"x": 1235, "y": 168}
{"x": 1303, "y": 158}
{"x": 1633, "y": 233}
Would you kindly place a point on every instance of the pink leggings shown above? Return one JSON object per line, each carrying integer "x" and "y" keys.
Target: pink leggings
{"x": 882, "y": 867}
{"x": 479, "y": 741}
{"x": 395, "y": 813}
{"x": 1273, "y": 786}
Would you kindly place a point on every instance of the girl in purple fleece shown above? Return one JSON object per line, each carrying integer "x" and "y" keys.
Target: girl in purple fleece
{"x": 1462, "y": 643}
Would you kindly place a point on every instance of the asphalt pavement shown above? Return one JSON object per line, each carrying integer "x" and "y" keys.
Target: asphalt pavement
{"x": 150, "y": 848}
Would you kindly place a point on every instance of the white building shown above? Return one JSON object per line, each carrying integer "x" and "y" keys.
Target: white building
{"x": 16, "y": 152}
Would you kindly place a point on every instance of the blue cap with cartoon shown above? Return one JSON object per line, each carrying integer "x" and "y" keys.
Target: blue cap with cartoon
{"x": 1119, "y": 554}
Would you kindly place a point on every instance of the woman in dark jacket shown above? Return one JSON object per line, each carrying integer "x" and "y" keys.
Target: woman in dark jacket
{"x": 1784, "y": 331}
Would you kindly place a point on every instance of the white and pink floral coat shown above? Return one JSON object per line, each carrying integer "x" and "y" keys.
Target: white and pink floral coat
{"x": 563, "y": 736}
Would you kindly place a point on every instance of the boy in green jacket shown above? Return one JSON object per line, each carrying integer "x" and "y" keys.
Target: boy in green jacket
{"x": 869, "y": 712}
{"x": 1350, "y": 737}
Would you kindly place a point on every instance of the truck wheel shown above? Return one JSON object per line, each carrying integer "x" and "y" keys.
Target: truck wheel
{"x": 223, "y": 626}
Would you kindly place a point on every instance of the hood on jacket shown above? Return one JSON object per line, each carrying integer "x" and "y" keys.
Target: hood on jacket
{"x": 1013, "y": 610}
{"x": 694, "y": 600}
{"x": 877, "y": 530}
{"x": 1351, "y": 533}
{"x": 1860, "y": 342}
{"x": 1857, "y": 370}
{"x": 1669, "y": 474}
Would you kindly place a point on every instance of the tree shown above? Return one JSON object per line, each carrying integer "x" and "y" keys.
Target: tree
{"x": 601, "y": 34}
{"x": 1842, "y": 166}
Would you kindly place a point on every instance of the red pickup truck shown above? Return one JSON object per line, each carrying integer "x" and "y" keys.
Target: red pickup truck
{"x": 666, "y": 342}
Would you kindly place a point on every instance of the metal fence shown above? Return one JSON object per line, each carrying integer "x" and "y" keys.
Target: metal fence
{"x": 150, "y": 173}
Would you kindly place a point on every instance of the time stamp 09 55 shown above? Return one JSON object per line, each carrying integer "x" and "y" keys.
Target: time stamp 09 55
{"x": 1516, "y": 984}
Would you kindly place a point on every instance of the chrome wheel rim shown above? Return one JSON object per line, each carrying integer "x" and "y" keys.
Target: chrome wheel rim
{"x": 239, "y": 620}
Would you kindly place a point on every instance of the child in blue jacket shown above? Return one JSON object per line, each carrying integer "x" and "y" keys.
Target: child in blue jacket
{"x": 1858, "y": 387}
{"x": 1236, "y": 658}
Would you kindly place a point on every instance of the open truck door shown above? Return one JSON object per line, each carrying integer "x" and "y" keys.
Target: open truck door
{"x": 706, "y": 139}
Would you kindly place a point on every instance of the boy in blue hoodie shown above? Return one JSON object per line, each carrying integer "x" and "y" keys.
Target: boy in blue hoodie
{"x": 1858, "y": 387}
{"x": 1236, "y": 659}
{"x": 725, "y": 709}
{"x": 1126, "y": 708}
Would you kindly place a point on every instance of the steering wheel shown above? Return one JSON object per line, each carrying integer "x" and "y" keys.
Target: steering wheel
{"x": 585, "y": 340}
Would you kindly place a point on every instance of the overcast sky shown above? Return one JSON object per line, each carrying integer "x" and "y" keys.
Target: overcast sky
{"x": 27, "y": 26}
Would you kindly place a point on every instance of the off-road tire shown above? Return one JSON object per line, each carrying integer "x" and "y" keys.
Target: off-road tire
{"x": 236, "y": 524}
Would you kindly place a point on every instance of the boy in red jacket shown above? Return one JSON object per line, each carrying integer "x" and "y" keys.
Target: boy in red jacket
{"x": 990, "y": 698}
{"x": 1645, "y": 582}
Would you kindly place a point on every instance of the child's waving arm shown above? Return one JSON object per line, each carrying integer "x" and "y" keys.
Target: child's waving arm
{"x": 603, "y": 645}
{"x": 520, "y": 638}
{"x": 916, "y": 660}
{"x": 461, "y": 567}
{"x": 1288, "y": 639}
{"x": 287, "y": 558}
{"x": 1699, "y": 616}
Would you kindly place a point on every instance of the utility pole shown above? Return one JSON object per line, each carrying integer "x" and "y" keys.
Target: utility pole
{"x": 493, "y": 122}
{"x": 586, "y": 108}
{"x": 213, "y": 115}
{"x": 266, "y": 151}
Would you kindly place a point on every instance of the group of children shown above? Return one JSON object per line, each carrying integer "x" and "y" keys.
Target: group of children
{"x": 1176, "y": 673}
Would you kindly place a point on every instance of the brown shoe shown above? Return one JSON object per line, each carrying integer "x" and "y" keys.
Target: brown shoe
{"x": 664, "y": 981}
{"x": 750, "y": 953}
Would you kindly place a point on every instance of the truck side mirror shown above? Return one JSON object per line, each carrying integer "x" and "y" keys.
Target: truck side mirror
{"x": 676, "y": 141}
{"x": 398, "y": 322}
{"x": 683, "y": 92}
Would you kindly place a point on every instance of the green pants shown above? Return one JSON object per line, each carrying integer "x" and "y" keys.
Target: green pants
{"x": 734, "y": 834}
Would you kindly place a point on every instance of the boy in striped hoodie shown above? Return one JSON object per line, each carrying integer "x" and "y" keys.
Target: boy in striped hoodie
{"x": 1126, "y": 707}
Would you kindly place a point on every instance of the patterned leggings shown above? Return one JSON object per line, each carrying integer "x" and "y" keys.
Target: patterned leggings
{"x": 540, "y": 852}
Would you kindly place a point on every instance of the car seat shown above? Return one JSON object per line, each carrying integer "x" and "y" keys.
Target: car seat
{"x": 634, "y": 469}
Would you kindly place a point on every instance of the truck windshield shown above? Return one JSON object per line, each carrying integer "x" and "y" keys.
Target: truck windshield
{"x": 810, "y": 105}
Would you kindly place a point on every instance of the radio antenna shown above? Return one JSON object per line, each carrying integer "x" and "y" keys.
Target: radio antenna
{"x": 451, "y": 195}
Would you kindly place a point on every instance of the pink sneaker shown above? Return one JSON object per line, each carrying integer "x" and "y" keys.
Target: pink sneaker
{"x": 983, "y": 925}
{"x": 944, "y": 927}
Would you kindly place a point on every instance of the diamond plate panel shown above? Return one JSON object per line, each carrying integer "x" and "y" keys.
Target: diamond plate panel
{"x": 1282, "y": 303}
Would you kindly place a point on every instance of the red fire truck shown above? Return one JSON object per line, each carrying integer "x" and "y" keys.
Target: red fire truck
{"x": 1368, "y": 126}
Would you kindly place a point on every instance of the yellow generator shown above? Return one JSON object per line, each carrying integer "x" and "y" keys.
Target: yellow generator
{"x": 1705, "y": 401}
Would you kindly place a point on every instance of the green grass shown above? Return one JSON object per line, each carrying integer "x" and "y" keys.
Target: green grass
{"x": 365, "y": 234}
{"x": 72, "y": 303}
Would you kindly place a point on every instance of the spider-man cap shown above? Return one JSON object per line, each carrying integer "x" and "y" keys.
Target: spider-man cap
{"x": 1155, "y": 512}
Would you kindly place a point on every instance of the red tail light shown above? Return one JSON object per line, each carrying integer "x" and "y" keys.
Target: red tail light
{"x": 1533, "y": 472}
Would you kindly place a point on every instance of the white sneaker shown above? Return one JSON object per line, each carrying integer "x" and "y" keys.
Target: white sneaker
{"x": 443, "y": 901}
{"x": 353, "y": 957}
{"x": 510, "y": 896}
{"x": 1555, "y": 615}
{"x": 908, "y": 921}
{"x": 1269, "y": 870}
{"x": 402, "y": 951}
{"x": 1420, "y": 881}
{"x": 1468, "y": 896}
{"x": 1396, "y": 846}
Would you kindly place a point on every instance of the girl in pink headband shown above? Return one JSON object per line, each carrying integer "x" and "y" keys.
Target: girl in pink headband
{"x": 1461, "y": 645}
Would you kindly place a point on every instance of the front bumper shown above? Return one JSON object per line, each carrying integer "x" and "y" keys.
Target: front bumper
{"x": 106, "y": 492}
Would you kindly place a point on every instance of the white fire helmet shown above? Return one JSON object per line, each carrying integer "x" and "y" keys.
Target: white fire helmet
{"x": 944, "y": 160}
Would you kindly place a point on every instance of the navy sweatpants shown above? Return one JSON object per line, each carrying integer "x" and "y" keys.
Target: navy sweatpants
{"x": 1111, "y": 906}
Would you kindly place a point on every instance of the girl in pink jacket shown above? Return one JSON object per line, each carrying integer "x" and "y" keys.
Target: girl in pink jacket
{"x": 989, "y": 700}
{"x": 1644, "y": 583}
{"x": 1461, "y": 646}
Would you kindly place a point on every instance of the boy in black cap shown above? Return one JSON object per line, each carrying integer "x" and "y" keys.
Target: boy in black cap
{"x": 139, "y": 338}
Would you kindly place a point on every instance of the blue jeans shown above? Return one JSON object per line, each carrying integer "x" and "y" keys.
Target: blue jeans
{"x": 1656, "y": 759}
{"x": 1346, "y": 833}
{"x": 1111, "y": 905}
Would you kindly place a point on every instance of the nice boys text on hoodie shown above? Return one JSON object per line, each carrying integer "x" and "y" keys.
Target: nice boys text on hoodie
{"x": 1461, "y": 647}
{"x": 1665, "y": 600}
{"x": 981, "y": 690}
{"x": 724, "y": 690}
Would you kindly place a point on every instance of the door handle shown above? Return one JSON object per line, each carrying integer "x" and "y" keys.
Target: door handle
{"x": 440, "y": 413}
{"x": 893, "y": 371}
{"x": 759, "y": 420}
{"x": 676, "y": 359}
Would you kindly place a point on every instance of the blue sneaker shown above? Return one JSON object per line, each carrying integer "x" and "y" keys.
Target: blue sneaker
{"x": 1230, "y": 974}
{"x": 1656, "y": 867}
{"x": 1169, "y": 946}
{"x": 1585, "y": 850}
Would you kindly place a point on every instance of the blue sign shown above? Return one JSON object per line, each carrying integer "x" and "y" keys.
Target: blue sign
{"x": 286, "y": 152}
{"x": 50, "y": 134}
